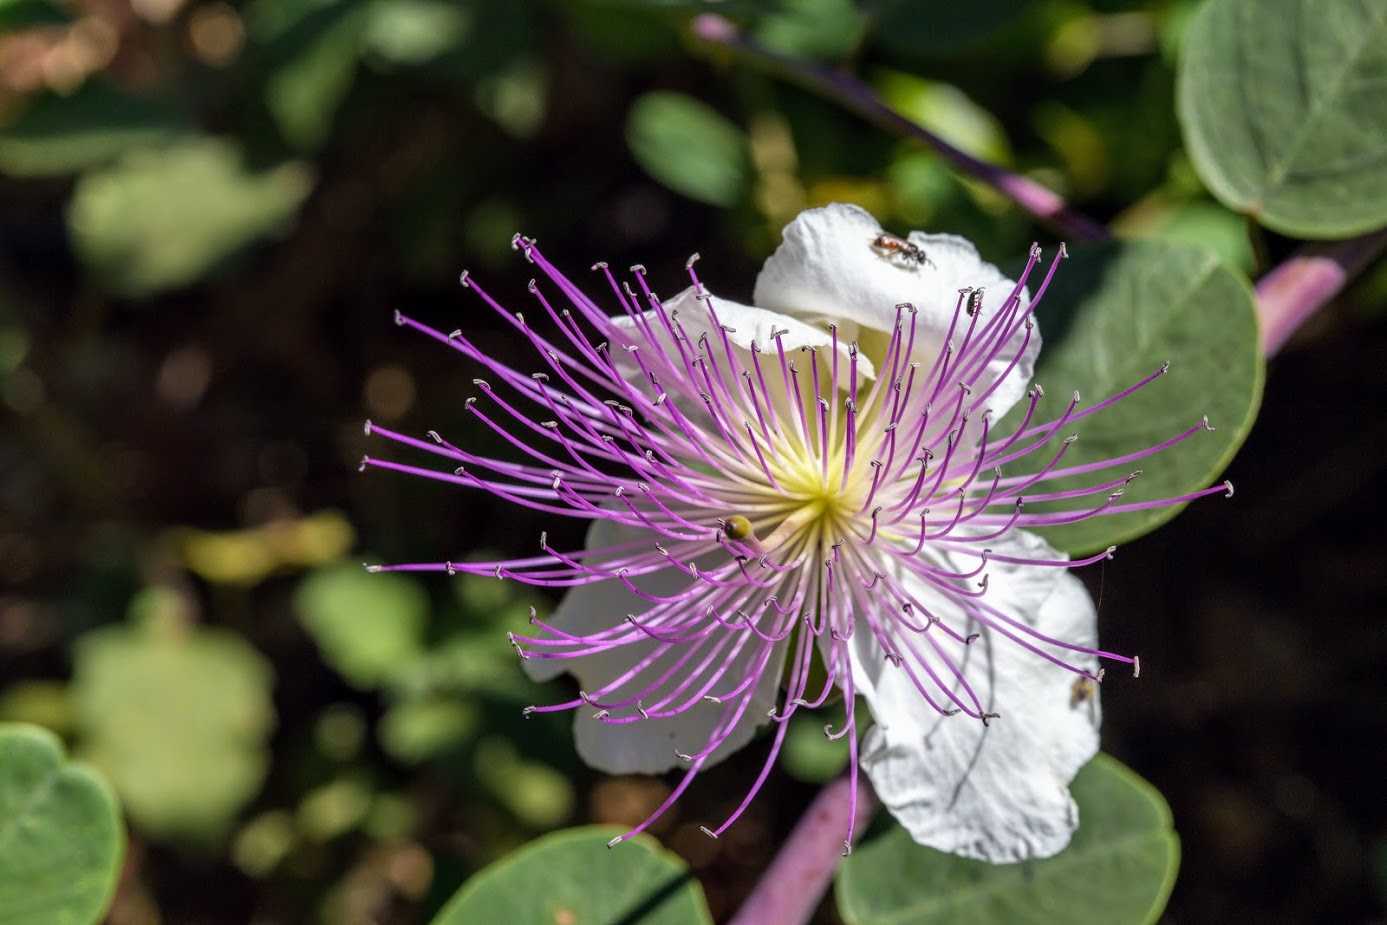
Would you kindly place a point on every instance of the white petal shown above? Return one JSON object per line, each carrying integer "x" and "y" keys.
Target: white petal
{"x": 648, "y": 745}
{"x": 744, "y": 325}
{"x": 826, "y": 271}
{"x": 998, "y": 792}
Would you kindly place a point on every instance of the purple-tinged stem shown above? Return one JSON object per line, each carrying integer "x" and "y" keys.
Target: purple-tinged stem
{"x": 1295, "y": 290}
{"x": 1044, "y": 204}
{"x": 790, "y": 890}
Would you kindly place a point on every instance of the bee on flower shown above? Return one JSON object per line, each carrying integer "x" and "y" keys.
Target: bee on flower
{"x": 806, "y": 496}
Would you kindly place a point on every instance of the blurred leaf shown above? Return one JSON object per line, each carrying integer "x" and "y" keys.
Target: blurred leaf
{"x": 1284, "y": 112}
{"x": 367, "y": 624}
{"x": 948, "y": 112}
{"x": 635, "y": 883}
{"x": 306, "y": 90}
{"x": 416, "y": 730}
{"x": 809, "y": 755}
{"x": 334, "y": 809}
{"x": 1203, "y": 224}
{"x": 535, "y": 793}
{"x": 912, "y": 28}
{"x": 247, "y": 557}
{"x": 414, "y": 31}
{"x": 64, "y": 134}
{"x": 1113, "y": 314}
{"x": 263, "y": 842}
{"x": 1119, "y": 868}
{"x": 178, "y": 718}
{"x": 42, "y": 703}
{"x": 161, "y": 218}
{"x": 25, "y": 14}
{"x": 827, "y": 30}
{"x": 61, "y": 838}
{"x": 689, "y": 147}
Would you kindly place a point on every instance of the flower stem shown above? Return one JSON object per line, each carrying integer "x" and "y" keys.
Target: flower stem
{"x": 1295, "y": 290}
{"x": 1044, "y": 204}
{"x": 790, "y": 890}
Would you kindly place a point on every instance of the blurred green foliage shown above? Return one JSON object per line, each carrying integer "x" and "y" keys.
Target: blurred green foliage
{"x": 210, "y": 210}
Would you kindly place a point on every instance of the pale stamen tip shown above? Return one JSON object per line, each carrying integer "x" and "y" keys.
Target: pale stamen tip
{"x": 709, "y": 832}
{"x": 373, "y": 569}
{"x": 462, "y": 278}
{"x": 1136, "y": 666}
{"x": 366, "y": 428}
{"x": 365, "y": 461}
{"x": 1227, "y": 488}
{"x": 616, "y": 841}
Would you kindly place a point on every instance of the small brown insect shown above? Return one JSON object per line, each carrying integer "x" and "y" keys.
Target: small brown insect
{"x": 1081, "y": 692}
{"x": 900, "y": 251}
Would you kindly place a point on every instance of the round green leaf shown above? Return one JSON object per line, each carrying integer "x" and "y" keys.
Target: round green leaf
{"x": 689, "y": 147}
{"x": 1284, "y": 112}
{"x": 572, "y": 877}
{"x": 177, "y": 718}
{"x": 1111, "y": 317}
{"x": 1119, "y": 868}
{"x": 162, "y": 217}
{"x": 367, "y": 625}
{"x": 61, "y": 839}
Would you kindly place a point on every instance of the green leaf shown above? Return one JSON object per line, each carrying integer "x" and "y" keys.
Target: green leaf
{"x": 63, "y": 134}
{"x": 1119, "y": 868}
{"x": 1112, "y": 316}
{"x": 367, "y": 625}
{"x": 178, "y": 719}
{"x": 61, "y": 839}
{"x": 689, "y": 147}
{"x": 572, "y": 877}
{"x": 1284, "y": 112}
{"x": 305, "y": 92}
{"x": 820, "y": 29}
{"x": 162, "y": 218}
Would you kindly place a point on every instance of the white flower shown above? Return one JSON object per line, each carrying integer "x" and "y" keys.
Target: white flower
{"x": 809, "y": 488}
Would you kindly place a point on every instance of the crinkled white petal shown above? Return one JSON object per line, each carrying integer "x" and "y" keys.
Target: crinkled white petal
{"x": 744, "y": 324}
{"x": 826, "y": 271}
{"x": 999, "y": 792}
{"x": 648, "y": 745}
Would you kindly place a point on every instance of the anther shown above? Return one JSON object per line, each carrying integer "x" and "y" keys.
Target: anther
{"x": 1136, "y": 667}
{"x": 370, "y": 568}
{"x": 462, "y": 278}
{"x": 707, "y": 831}
{"x": 399, "y": 318}
{"x": 601, "y": 714}
{"x": 693, "y": 259}
{"x": 971, "y": 638}
{"x": 450, "y": 568}
{"x": 527, "y": 712}
{"x": 367, "y": 427}
{"x": 361, "y": 466}
{"x": 681, "y": 756}
{"x": 987, "y": 716}
{"x": 1207, "y": 425}
{"x": 1227, "y": 488}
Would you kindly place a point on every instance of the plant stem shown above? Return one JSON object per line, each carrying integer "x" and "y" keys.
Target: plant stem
{"x": 791, "y": 888}
{"x": 843, "y": 88}
{"x": 1299, "y": 287}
